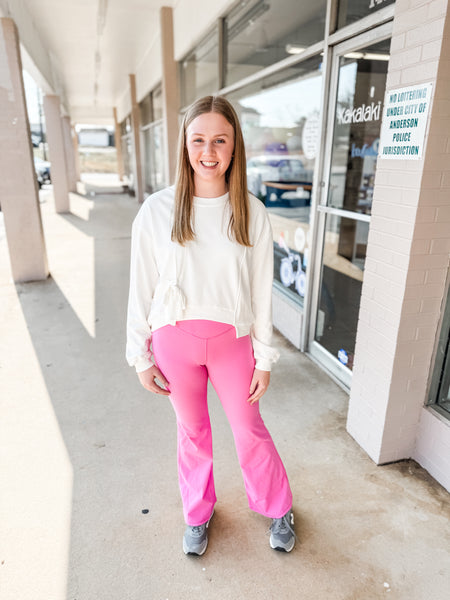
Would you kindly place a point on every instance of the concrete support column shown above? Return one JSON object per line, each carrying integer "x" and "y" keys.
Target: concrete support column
{"x": 118, "y": 143}
{"x": 408, "y": 253}
{"x": 76, "y": 153}
{"x": 18, "y": 186}
{"x": 56, "y": 146}
{"x": 170, "y": 93}
{"x": 70, "y": 155}
{"x": 136, "y": 137}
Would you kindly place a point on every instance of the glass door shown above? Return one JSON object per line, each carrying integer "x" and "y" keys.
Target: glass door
{"x": 357, "y": 90}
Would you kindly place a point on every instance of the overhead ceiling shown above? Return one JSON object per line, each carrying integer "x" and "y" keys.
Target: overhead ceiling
{"x": 94, "y": 45}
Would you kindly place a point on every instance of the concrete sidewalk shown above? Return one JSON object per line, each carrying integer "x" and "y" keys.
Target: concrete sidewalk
{"x": 89, "y": 505}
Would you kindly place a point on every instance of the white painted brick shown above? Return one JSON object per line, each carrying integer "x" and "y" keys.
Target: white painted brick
{"x": 409, "y": 197}
{"x": 406, "y": 333}
{"x": 428, "y": 452}
{"x": 431, "y": 179}
{"x": 440, "y": 162}
{"x": 397, "y": 42}
{"x": 411, "y": 305}
{"x": 408, "y": 19}
{"x": 378, "y": 253}
{"x": 400, "y": 260}
{"x": 431, "y": 305}
{"x": 393, "y": 80}
{"x": 431, "y": 50}
{"x": 425, "y": 32}
{"x": 393, "y": 274}
{"x": 444, "y": 124}
{"x": 425, "y": 333}
{"x": 421, "y": 362}
{"x": 445, "y": 180}
{"x": 405, "y": 230}
{"x": 419, "y": 382}
{"x": 416, "y": 277}
{"x": 431, "y": 231}
{"x": 436, "y": 145}
{"x": 426, "y": 214}
{"x": 394, "y": 211}
{"x": 420, "y": 319}
{"x": 438, "y": 276}
{"x": 405, "y": 179}
{"x": 434, "y": 197}
{"x": 437, "y": 9}
{"x": 424, "y": 291}
{"x": 443, "y": 214}
{"x": 408, "y": 57}
{"x": 419, "y": 247}
{"x": 441, "y": 108}
{"x": 415, "y": 3}
{"x": 440, "y": 246}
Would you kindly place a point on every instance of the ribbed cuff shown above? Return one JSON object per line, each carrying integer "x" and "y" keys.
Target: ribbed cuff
{"x": 262, "y": 364}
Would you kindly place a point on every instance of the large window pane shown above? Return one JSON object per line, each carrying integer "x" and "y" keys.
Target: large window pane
{"x": 199, "y": 70}
{"x": 154, "y": 170}
{"x": 261, "y": 33}
{"x": 440, "y": 387}
{"x": 354, "y": 10}
{"x": 341, "y": 282}
{"x": 279, "y": 118}
{"x": 362, "y": 83}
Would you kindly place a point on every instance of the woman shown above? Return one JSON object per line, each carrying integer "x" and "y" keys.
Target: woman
{"x": 200, "y": 295}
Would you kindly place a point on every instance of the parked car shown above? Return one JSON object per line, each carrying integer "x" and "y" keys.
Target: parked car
{"x": 42, "y": 170}
{"x": 276, "y": 168}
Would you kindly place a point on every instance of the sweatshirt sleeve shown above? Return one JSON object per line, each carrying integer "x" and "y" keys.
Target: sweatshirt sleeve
{"x": 143, "y": 279}
{"x": 261, "y": 291}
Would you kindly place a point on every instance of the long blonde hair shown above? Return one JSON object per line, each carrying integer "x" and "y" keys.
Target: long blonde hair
{"x": 235, "y": 177}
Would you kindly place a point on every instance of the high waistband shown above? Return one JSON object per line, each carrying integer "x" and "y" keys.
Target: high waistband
{"x": 202, "y": 328}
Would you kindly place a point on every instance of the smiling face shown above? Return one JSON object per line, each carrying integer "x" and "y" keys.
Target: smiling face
{"x": 210, "y": 146}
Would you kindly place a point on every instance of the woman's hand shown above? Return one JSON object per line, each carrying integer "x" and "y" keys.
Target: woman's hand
{"x": 260, "y": 383}
{"x": 147, "y": 379}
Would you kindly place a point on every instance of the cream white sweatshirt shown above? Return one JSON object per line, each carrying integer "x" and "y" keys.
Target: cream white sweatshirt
{"x": 211, "y": 277}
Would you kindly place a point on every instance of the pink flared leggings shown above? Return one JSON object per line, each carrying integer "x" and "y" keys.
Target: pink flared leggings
{"x": 188, "y": 353}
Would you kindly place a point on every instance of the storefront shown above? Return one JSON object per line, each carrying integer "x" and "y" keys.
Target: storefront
{"x": 309, "y": 91}
{"x": 361, "y": 240}
{"x": 152, "y": 137}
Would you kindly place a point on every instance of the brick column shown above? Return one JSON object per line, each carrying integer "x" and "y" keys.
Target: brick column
{"x": 169, "y": 91}
{"x": 18, "y": 187}
{"x": 408, "y": 251}
{"x": 56, "y": 146}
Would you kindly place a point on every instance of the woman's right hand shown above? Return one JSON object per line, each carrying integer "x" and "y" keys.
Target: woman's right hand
{"x": 148, "y": 377}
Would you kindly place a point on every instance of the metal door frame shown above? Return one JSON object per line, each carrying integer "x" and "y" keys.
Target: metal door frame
{"x": 316, "y": 351}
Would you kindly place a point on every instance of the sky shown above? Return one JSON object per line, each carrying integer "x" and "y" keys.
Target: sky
{"x": 32, "y": 98}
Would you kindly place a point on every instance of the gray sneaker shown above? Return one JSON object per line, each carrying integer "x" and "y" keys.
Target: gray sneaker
{"x": 282, "y": 535}
{"x": 195, "y": 539}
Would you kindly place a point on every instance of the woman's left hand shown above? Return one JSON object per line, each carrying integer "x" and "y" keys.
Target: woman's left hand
{"x": 260, "y": 383}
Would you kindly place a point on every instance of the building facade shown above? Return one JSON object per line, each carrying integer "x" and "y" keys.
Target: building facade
{"x": 345, "y": 109}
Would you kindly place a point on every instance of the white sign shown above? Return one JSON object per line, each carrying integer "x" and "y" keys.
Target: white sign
{"x": 310, "y": 136}
{"x": 404, "y": 120}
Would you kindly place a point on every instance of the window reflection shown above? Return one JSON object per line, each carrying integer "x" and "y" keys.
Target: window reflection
{"x": 342, "y": 275}
{"x": 280, "y": 124}
{"x": 260, "y": 33}
{"x": 362, "y": 83}
{"x": 199, "y": 72}
{"x": 354, "y": 10}
{"x": 154, "y": 171}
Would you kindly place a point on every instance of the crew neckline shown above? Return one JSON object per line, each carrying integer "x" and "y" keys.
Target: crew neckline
{"x": 218, "y": 201}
